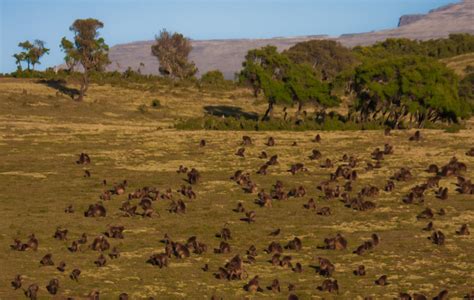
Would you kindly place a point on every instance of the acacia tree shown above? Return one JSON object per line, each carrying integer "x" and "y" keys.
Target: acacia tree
{"x": 72, "y": 57}
{"x": 172, "y": 51}
{"x": 88, "y": 49}
{"x": 31, "y": 55}
{"x": 410, "y": 87}
{"x": 283, "y": 81}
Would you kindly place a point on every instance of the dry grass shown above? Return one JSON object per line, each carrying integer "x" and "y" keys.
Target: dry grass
{"x": 459, "y": 63}
{"x": 40, "y": 143}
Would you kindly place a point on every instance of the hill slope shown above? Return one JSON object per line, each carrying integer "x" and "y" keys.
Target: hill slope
{"x": 227, "y": 55}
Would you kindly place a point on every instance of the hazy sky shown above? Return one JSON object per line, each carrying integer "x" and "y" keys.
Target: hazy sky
{"x": 134, "y": 20}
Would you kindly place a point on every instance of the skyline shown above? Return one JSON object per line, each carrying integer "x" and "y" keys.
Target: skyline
{"x": 127, "y": 21}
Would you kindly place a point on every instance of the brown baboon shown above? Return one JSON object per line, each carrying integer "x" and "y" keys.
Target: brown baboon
{"x": 315, "y": 154}
{"x": 60, "y": 234}
{"x": 432, "y": 169}
{"x": 95, "y": 210}
{"x": 249, "y": 217}
{"x": 454, "y": 167}
{"x": 326, "y": 268}
{"x": 252, "y": 251}
{"x": 387, "y": 131}
{"x": 223, "y": 248}
{"x": 317, "y": 139}
{"x": 360, "y": 271}
{"x": 275, "y": 260}
{"x": 329, "y": 285}
{"x": 193, "y": 176}
{"x": 298, "y": 268}
{"x": 123, "y": 296}
{"x": 443, "y": 295}
{"x": 275, "y": 287}
{"x": 442, "y": 212}
{"x": 263, "y": 155}
{"x": 298, "y": 167}
{"x": 310, "y": 205}
{"x": 182, "y": 169}
{"x": 32, "y": 242}
{"x": 17, "y": 281}
{"x": 74, "y": 247}
{"x": 464, "y": 230}
{"x": 275, "y": 232}
{"x": 416, "y": 136}
{"x": 382, "y": 280}
{"x": 469, "y": 296}
{"x": 205, "y": 268}
{"x": 177, "y": 207}
{"x": 84, "y": 159}
{"x": 87, "y": 173}
{"x": 323, "y": 211}
{"x": 61, "y": 267}
{"x": 429, "y": 226}
{"x": 94, "y": 295}
{"x": 437, "y": 238}
{"x": 402, "y": 175}
{"x": 286, "y": 261}
{"x": 387, "y": 149}
{"x": 83, "y": 239}
{"x": 404, "y": 296}
{"x": 270, "y": 142}
{"x": 75, "y": 274}
{"x": 18, "y": 245}
{"x": 180, "y": 250}
{"x": 264, "y": 200}
{"x": 224, "y": 234}
{"x": 274, "y": 247}
{"x": 273, "y": 160}
{"x": 390, "y": 186}
{"x": 240, "y": 152}
{"x": 160, "y": 260}
{"x": 53, "y": 286}
{"x": 253, "y": 285}
{"x": 246, "y": 140}
{"x": 426, "y": 214}
{"x": 114, "y": 253}
{"x": 101, "y": 261}
{"x": 336, "y": 243}
{"x": 115, "y": 232}
{"x": 202, "y": 143}
{"x": 100, "y": 243}
{"x": 327, "y": 164}
{"x": 294, "y": 244}
{"x": 442, "y": 193}
{"x": 291, "y": 287}
{"x": 69, "y": 209}
{"x": 47, "y": 260}
{"x": 240, "y": 208}
{"x": 292, "y": 297}
{"x": 32, "y": 291}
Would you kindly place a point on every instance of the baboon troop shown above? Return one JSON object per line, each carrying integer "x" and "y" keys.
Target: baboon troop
{"x": 347, "y": 185}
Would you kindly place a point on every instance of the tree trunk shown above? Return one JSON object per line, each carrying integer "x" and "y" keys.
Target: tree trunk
{"x": 84, "y": 86}
{"x": 269, "y": 111}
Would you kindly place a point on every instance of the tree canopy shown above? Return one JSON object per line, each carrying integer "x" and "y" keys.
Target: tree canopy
{"x": 172, "y": 51}
{"x": 327, "y": 58}
{"x": 413, "y": 87}
{"x": 88, "y": 49}
{"x": 31, "y": 55}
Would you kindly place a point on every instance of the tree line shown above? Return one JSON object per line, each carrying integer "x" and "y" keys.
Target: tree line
{"x": 391, "y": 81}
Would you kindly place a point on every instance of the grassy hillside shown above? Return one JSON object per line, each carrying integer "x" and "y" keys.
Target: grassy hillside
{"x": 459, "y": 63}
{"x": 43, "y": 131}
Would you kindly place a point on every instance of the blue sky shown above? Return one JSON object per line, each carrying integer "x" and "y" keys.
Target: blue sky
{"x": 134, "y": 20}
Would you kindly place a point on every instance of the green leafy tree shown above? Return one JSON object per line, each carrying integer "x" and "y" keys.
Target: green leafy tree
{"x": 31, "y": 55}
{"x": 409, "y": 87}
{"x": 327, "y": 58}
{"x": 36, "y": 52}
{"x": 88, "y": 49}
{"x": 172, "y": 51}
{"x": 71, "y": 57}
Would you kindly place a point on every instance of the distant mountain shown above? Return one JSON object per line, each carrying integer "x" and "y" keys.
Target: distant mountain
{"x": 227, "y": 55}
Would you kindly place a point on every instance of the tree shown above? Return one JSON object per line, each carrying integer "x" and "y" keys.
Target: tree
{"x": 172, "y": 52}
{"x": 327, "y": 58}
{"x": 413, "y": 87}
{"x": 36, "y": 52}
{"x": 27, "y": 46}
{"x": 88, "y": 49}
{"x": 72, "y": 57}
{"x": 283, "y": 81}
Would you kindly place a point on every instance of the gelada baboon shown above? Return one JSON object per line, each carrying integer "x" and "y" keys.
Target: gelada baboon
{"x": 382, "y": 280}
{"x": 253, "y": 285}
{"x": 32, "y": 291}
{"x": 275, "y": 286}
{"x": 61, "y": 267}
{"x": 17, "y": 281}
{"x": 53, "y": 286}
{"x": 47, "y": 260}
{"x": 75, "y": 274}
{"x": 329, "y": 285}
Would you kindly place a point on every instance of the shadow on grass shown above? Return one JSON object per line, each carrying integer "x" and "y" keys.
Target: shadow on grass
{"x": 230, "y": 111}
{"x": 60, "y": 85}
